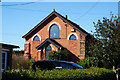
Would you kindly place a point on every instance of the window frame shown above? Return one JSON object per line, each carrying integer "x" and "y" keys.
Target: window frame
{"x": 71, "y": 36}
{"x": 5, "y": 64}
{"x": 73, "y": 33}
{"x": 46, "y": 50}
{"x": 58, "y": 32}
{"x": 36, "y": 39}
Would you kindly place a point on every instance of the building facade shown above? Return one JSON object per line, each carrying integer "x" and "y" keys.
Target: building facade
{"x": 6, "y": 54}
{"x": 54, "y": 33}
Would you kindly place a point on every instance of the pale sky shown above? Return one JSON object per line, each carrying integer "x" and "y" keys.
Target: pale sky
{"x": 60, "y": 0}
{"x": 17, "y": 20}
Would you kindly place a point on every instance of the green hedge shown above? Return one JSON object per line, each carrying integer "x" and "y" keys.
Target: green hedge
{"x": 78, "y": 74}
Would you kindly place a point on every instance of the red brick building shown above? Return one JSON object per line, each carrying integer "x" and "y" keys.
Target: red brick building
{"x": 55, "y": 32}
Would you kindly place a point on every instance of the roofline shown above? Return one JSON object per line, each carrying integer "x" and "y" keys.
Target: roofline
{"x": 57, "y": 14}
{"x": 13, "y": 46}
{"x": 50, "y": 41}
{"x": 37, "y": 25}
{"x": 70, "y": 23}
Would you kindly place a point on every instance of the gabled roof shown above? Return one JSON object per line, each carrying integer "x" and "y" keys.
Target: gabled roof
{"x": 55, "y": 14}
{"x": 48, "y": 41}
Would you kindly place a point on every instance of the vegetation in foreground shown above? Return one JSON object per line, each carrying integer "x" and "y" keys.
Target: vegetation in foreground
{"x": 78, "y": 74}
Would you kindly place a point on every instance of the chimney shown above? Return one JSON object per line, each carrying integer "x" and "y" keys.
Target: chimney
{"x": 66, "y": 16}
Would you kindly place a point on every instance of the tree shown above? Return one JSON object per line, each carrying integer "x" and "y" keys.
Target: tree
{"x": 106, "y": 45}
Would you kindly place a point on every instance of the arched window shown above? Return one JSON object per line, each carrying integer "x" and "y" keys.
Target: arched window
{"x": 36, "y": 38}
{"x": 54, "y": 31}
{"x": 47, "y": 51}
{"x": 72, "y": 36}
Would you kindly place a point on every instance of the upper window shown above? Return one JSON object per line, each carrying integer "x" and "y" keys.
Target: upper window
{"x": 36, "y": 38}
{"x": 72, "y": 36}
{"x": 54, "y": 31}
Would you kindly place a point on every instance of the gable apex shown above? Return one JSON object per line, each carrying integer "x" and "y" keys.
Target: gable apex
{"x": 50, "y": 41}
{"x": 55, "y": 14}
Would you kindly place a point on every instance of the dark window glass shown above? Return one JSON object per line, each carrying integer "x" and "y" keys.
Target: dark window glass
{"x": 48, "y": 50}
{"x": 3, "y": 60}
{"x": 54, "y": 31}
{"x": 72, "y": 36}
{"x": 36, "y": 38}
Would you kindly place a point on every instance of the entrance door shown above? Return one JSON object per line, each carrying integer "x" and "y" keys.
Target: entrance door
{"x": 4, "y": 60}
{"x": 47, "y": 51}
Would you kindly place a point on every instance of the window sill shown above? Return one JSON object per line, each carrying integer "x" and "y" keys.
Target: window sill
{"x": 36, "y": 40}
{"x": 55, "y": 38}
{"x": 72, "y": 39}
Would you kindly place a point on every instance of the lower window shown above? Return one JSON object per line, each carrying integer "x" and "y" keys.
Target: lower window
{"x": 4, "y": 60}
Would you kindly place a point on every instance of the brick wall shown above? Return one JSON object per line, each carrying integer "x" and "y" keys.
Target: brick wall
{"x": 72, "y": 45}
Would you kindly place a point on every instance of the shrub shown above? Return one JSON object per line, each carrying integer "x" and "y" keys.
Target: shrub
{"x": 107, "y": 64}
{"x": 59, "y": 55}
{"x": 89, "y": 62}
{"x": 19, "y": 59}
{"x": 54, "y": 55}
{"x": 31, "y": 61}
{"x": 78, "y": 74}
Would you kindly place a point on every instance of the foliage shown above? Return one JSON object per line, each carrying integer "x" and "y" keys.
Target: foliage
{"x": 19, "y": 59}
{"x": 106, "y": 45}
{"x": 89, "y": 62}
{"x": 107, "y": 64}
{"x": 31, "y": 62}
{"x": 54, "y": 55}
{"x": 59, "y": 55}
{"x": 77, "y": 74}
{"x": 18, "y": 52}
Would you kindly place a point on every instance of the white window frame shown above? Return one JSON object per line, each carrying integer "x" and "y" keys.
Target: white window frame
{"x": 5, "y": 52}
{"x": 36, "y": 35}
{"x": 52, "y": 24}
{"x": 71, "y": 34}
